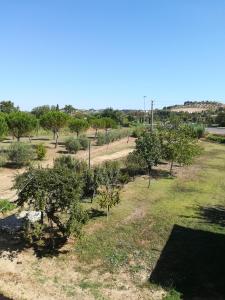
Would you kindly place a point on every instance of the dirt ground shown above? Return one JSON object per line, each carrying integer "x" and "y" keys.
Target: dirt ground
{"x": 99, "y": 154}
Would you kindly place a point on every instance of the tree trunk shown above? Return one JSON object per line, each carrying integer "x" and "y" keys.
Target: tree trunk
{"x": 149, "y": 177}
{"x": 56, "y": 140}
{"x": 18, "y": 139}
{"x": 171, "y": 167}
{"x": 56, "y": 220}
{"x": 107, "y": 213}
{"x": 96, "y": 132}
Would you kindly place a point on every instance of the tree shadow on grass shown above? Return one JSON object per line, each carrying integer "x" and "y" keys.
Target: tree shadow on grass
{"x": 193, "y": 263}
{"x": 158, "y": 174}
{"x": 95, "y": 213}
{"x": 12, "y": 242}
{"x": 212, "y": 214}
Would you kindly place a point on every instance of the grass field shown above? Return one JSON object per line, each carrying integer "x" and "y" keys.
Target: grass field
{"x": 171, "y": 235}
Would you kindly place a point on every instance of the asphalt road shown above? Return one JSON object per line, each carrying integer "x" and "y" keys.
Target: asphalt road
{"x": 217, "y": 130}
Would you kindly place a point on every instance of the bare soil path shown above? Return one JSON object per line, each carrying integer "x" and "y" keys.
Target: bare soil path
{"x": 99, "y": 154}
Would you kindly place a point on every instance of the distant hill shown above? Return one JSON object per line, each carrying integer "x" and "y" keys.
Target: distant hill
{"x": 195, "y": 106}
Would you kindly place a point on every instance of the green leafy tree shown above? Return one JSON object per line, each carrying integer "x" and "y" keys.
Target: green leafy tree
{"x": 108, "y": 197}
{"x": 3, "y": 127}
{"x": 108, "y": 185}
{"x": 179, "y": 146}
{"x": 78, "y": 125}
{"x": 148, "y": 146}
{"x": 55, "y": 193}
{"x": 97, "y": 124}
{"x": 69, "y": 109}
{"x": 108, "y": 123}
{"x": 7, "y": 107}
{"x": 54, "y": 121}
{"x": 21, "y": 124}
{"x": 116, "y": 115}
{"x": 39, "y": 111}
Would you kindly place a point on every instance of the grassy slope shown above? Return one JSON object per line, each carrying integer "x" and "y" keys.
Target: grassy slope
{"x": 140, "y": 226}
{"x": 140, "y": 230}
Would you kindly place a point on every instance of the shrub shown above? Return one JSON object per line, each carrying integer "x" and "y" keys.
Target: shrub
{"x": 216, "y": 138}
{"x": 72, "y": 145}
{"x": 196, "y": 130}
{"x": 21, "y": 154}
{"x": 112, "y": 136}
{"x": 84, "y": 142}
{"x": 6, "y": 206}
{"x": 41, "y": 151}
{"x": 69, "y": 162}
{"x": 135, "y": 165}
{"x": 138, "y": 131}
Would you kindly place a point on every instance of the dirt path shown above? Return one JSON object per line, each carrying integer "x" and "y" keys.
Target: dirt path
{"x": 99, "y": 154}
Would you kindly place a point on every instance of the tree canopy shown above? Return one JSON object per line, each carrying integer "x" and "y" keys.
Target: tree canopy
{"x": 78, "y": 125}
{"x": 21, "y": 123}
{"x": 148, "y": 146}
{"x": 54, "y": 120}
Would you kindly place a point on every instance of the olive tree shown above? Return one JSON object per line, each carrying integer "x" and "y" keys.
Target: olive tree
{"x": 21, "y": 124}
{"x": 148, "y": 146}
{"x": 54, "y": 120}
{"x": 78, "y": 125}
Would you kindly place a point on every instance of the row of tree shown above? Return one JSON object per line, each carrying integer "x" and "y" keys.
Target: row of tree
{"x": 173, "y": 144}
{"x": 20, "y": 124}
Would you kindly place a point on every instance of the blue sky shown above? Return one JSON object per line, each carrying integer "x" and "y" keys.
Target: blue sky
{"x": 95, "y": 53}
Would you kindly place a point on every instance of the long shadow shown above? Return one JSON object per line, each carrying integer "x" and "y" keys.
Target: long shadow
{"x": 192, "y": 262}
{"x": 4, "y": 298}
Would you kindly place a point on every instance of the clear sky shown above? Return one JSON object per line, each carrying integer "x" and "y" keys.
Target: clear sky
{"x": 100, "y": 53}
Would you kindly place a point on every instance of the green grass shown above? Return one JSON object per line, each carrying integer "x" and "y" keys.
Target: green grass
{"x": 139, "y": 227}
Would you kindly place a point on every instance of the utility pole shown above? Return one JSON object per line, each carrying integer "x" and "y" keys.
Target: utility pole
{"x": 89, "y": 154}
{"x": 152, "y": 112}
{"x": 144, "y": 109}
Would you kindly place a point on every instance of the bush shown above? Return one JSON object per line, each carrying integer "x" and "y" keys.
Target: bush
{"x": 101, "y": 139}
{"x": 197, "y": 130}
{"x": 69, "y": 162}
{"x": 173, "y": 295}
{"x": 6, "y": 206}
{"x": 216, "y": 138}
{"x": 112, "y": 136}
{"x": 41, "y": 151}
{"x": 138, "y": 131}
{"x": 72, "y": 145}
{"x": 21, "y": 154}
{"x": 135, "y": 165}
{"x": 84, "y": 142}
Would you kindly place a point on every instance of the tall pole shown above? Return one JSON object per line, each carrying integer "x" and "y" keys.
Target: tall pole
{"x": 144, "y": 109}
{"x": 89, "y": 154}
{"x": 152, "y": 112}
